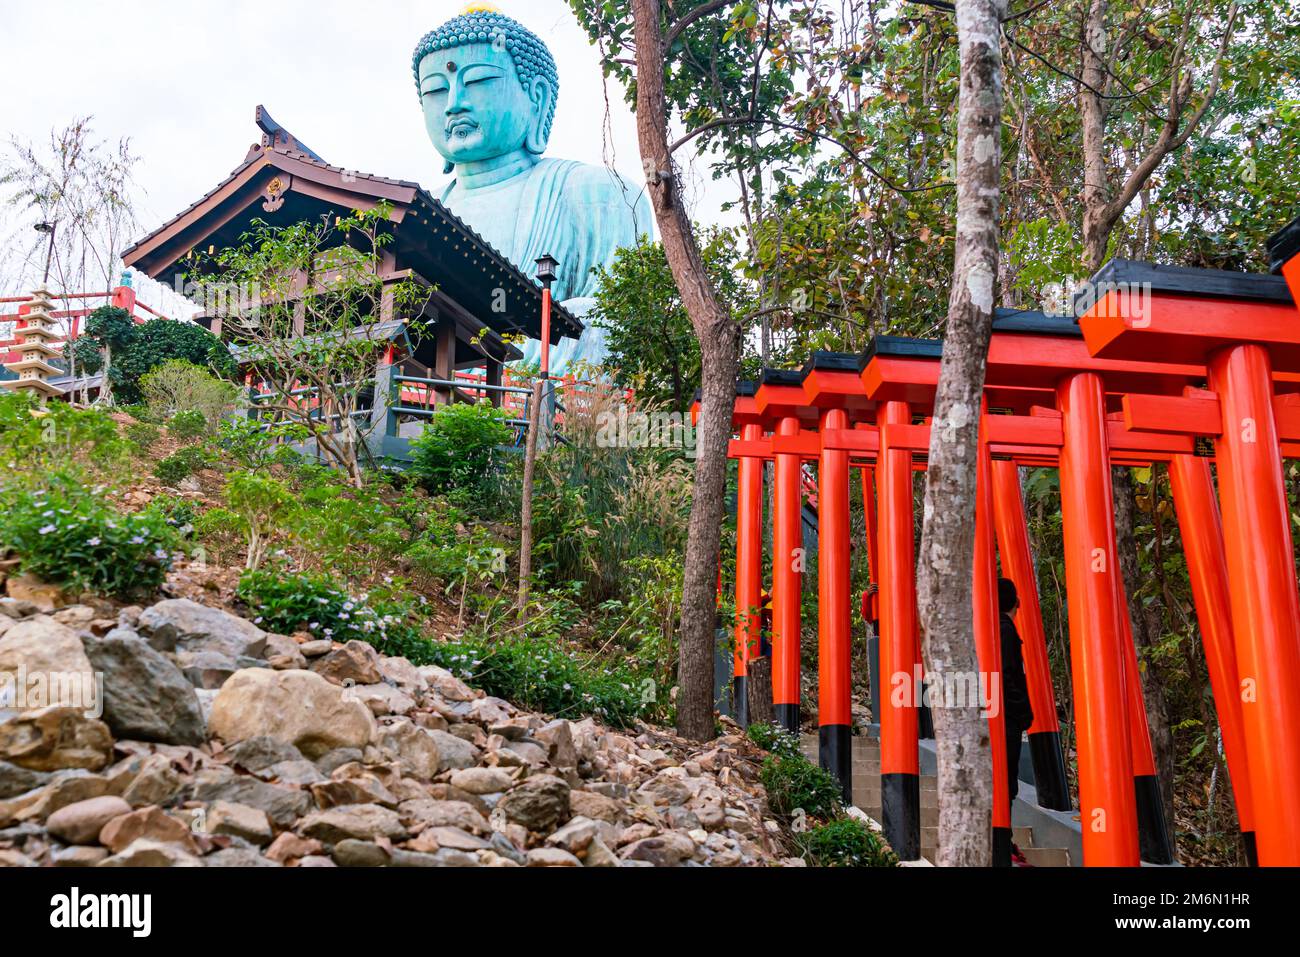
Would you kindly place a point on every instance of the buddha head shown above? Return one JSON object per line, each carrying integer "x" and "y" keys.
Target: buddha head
{"x": 487, "y": 86}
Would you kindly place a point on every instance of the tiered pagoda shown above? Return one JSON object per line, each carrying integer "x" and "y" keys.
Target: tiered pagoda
{"x": 33, "y": 344}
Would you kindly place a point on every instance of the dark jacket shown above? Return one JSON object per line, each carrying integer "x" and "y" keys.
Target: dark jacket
{"x": 1015, "y": 689}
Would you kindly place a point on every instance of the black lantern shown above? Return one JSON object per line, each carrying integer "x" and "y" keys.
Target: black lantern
{"x": 546, "y": 269}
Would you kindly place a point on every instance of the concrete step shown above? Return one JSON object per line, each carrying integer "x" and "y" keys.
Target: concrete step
{"x": 1022, "y": 837}
{"x": 1046, "y": 856}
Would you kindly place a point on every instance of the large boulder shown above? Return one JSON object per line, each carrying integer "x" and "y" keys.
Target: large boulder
{"x": 297, "y": 707}
{"x": 146, "y": 698}
{"x": 54, "y": 739}
{"x": 356, "y": 663}
{"x": 37, "y": 657}
{"x": 540, "y": 804}
{"x": 179, "y": 624}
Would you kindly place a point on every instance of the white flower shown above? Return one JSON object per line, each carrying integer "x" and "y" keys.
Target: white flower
{"x": 137, "y": 540}
{"x": 47, "y": 529}
{"x": 94, "y": 542}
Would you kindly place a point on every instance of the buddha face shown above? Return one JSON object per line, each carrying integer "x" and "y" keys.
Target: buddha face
{"x": 475, "y": 106}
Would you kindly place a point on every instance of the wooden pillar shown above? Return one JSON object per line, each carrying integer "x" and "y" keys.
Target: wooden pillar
{"x": 749, "y": 569}
{"x": 444, "y": 359}
{"x": 834, "y": 610}
{"x": 1107, "y": 804}
{"x": 494, "y": 370}
{"x": 1207, "y": 568}
{"x": 1050, "y": 781}
{"x": 900, "y": 771}
{"x": 1262, "y": 594}
{"x": 787, "y": 582}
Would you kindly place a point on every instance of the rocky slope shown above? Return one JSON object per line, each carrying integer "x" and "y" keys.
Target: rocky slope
{"x": 221, "y": 745}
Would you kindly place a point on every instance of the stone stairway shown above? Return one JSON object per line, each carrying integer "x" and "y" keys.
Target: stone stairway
{"x": 866, "y": 796}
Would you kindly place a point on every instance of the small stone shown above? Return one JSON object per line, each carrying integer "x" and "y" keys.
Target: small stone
{"x": 33, "y": 591}
{"x": 81, "y": 823}
{"x": 434, "y": 813}
{"x": 453, "y": 752}
{"x": 356, "y": 663}
{"x": 238, "y": 857}
{"x": 539, "y": 804}
{"x": 259, "y": 753}
{"x": 147, "y": 853}
{"x": 284, "y": 652}
{"x": 551, "y": 857}
{"x": 289, "y": 846}
{"x": 418, "y": 752}
{"x": 598, "y": 855}
{"x": 54, "y": 739}
{"x": 482, "y": 780}
{"x": 361, "y": 821}
{"x": 78, "y": 856}
{"x": 669, "y": 849}
{"x": 354, "y": 853}
{"x": 239, "y": 820}
{"x": 316, "y": 649}
{"x": 151, "y": 823}
{"x": 595, "y": 806}
{"x": 558, "y": 738}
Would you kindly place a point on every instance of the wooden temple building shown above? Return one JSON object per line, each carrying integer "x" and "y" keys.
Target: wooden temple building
{"x": 476, "y": 296}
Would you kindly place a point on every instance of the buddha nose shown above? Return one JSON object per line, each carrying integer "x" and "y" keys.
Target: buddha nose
{"x": 455, "y": 100}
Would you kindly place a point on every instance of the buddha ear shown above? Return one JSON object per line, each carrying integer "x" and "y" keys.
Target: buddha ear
{"x": 541, "y": 96}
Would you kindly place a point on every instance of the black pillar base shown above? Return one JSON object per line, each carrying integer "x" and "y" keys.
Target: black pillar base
{"x": 1050, "y": 780}
{"x": 787, "y": 717}
{"x": 1248, "y": 845}
{"x": 1153, "y": 832}
{"x": 1002, "y": 847}
{"x": 900, "y": 806}
{"x": 924, "y": 723}
{"x": 740, "y": 701}
{"x": 873, "y": 675}
{"x": 835, "y": 754}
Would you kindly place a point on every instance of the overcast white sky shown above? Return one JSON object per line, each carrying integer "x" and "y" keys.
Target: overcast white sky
{"x": 182, "y": 80}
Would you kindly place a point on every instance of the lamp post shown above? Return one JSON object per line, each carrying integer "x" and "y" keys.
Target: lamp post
{"x": 49, "y": 252}
{"x": 546, "y": 274}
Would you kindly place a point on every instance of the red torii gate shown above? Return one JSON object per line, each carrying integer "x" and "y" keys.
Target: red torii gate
{"x": 1082, "y": 430}
{"x": 1243, "y": 329}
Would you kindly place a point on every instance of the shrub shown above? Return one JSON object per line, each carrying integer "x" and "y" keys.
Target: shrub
{"x": 778, "y": 740}
{"x": 184, "y": 463}
{"x": 535, "y": 673}
{"x": 143, "y": 435}
{"x": 458, "y": 448}
{"x": 318, "y": 604}
{"x": 262, "y": 505}
{"x": 36, "y": 440}
{"x": 188, "y": 424}
{"x": 793, "y": 783}
{"x": 67, "y": 535}
{"x": 177, "y": 386}
{"x": 847, "y": 842}
{"x": 253, "y": 445}
{"x": 157, "y": 341}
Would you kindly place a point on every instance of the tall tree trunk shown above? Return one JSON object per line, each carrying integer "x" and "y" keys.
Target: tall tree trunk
{"x": 1092, "y": 115}
{"x": 719, "y": 338}
{"x": 946, "y": 566}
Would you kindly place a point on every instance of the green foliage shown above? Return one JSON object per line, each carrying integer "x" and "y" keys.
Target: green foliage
{"x": 188, "y": 424}
{"x": 458, "y": 448}
{"x": 36, "y": 439}
{"x": 139, "y": 349}
{"x": 652, "y": 345}
{"x": 143, "y": 436}
{"x": 534, "y": 672}
{"x": 181, "y": 465}
{"x": 320, "y": 605}
{"x": 846, "y": 842}
{"x": 254, "y": 445}
{"x": 110, "y": 326}
{"x": 178, "y": 387}
{"x": 68, "y": 535}
{"x": 795, "y": 784}
{"x": 262, "y": 505}
{"x": 772, "y": 738}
